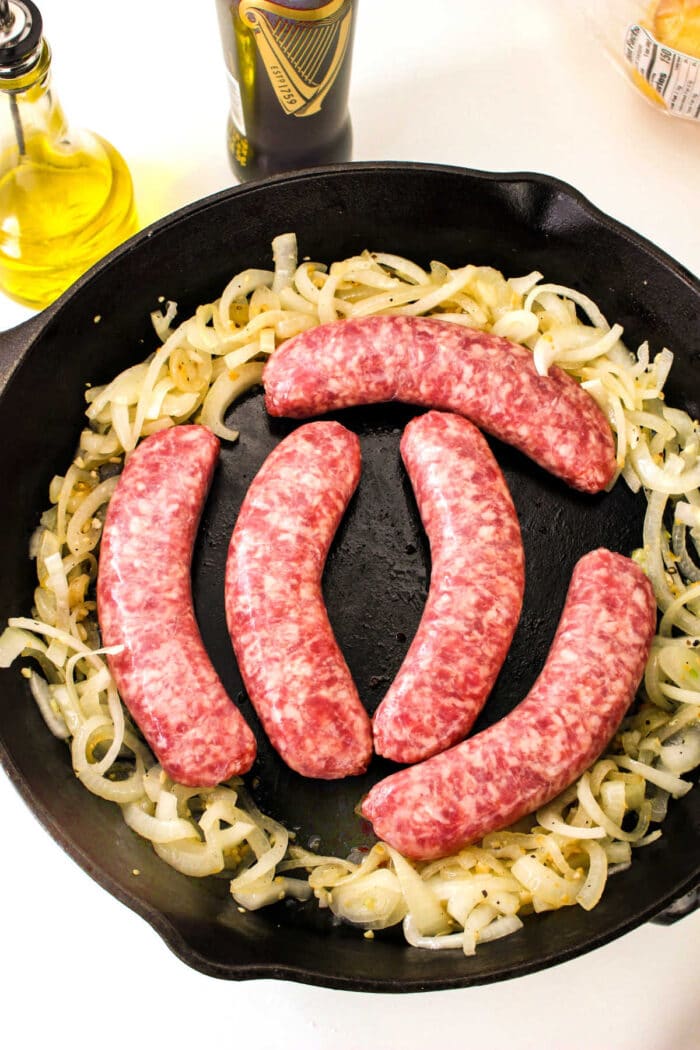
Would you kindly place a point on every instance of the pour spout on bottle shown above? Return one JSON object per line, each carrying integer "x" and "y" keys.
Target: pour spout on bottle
{"x": 20, "y": 37}
{"x": 7, "y": 18}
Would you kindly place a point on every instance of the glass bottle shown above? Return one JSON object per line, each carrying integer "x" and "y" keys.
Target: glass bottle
{"x": 288, "y": 63}
{"x": 66, "y": 196}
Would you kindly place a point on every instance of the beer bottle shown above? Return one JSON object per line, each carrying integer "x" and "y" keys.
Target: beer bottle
{"x": 288, "y": 64}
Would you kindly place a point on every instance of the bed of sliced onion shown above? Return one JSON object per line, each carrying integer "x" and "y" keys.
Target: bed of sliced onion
{"x": 559, "y": 857}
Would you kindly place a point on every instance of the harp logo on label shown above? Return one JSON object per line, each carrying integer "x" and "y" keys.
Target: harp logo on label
{"x": 302, "y": 50}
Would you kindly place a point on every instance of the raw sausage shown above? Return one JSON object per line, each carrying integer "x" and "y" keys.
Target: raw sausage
{"x": 439, "y": 364}
{"x": 590, "y": 676}
{"x": 477, "y": 580}
{"x": 144, "y": 603}
{"x": 292, "y": 667}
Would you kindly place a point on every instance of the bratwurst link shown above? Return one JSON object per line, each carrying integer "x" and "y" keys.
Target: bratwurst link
{"x": 438, "y": 364}
{"x": 144, "y": 603}
{"x": 589, "y": 679}
{"x": 477, "y": 579}
{"x": 292, "y": 667}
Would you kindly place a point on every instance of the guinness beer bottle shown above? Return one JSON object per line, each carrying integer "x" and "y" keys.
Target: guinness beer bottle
{"x": 288, "y": 64}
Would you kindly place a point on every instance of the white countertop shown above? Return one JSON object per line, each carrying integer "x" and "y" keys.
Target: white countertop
{"x": 502, "y": 86}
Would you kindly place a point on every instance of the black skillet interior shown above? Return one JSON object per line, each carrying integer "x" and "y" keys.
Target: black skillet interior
{"x": 378, "y": 568}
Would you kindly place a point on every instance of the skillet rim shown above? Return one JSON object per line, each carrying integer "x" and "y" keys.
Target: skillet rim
{"x": 13, "y": 342}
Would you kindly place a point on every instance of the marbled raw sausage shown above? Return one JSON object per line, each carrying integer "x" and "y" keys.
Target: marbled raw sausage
{"x": 292, "y": 667}
{"x": 144, "y": 603}
{"x": 477, "y": 580}
{"x": 489, "y": 781}
{"x": 439, "y": 364}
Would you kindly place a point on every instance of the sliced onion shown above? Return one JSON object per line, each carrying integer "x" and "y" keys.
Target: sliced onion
{"x": 267, "y": 862}
{"x": 240, "y": 287}
{"x": 364, "y": 277}
{"x": 599, "y": 816}
{"x": 225, "y": 390}
{"x": 522, "y": 285}
{"x": 618, "y": 853}
{"x": 587, "y": 305}
{"x": 374, "y": 902}
{"x": 667, "y": 781}
{"x": 676, "y": 613}
{"x": 660, "y": 479}
{"x": 603, "y": 344}
{"x": 594, "y": 884}
{"x": 388, "y": 302}
{"x": 64, "y": 637}
{"x": 405, "y": 268}
{"x": 518, "y": 325}
{"x": 428, "y": 915}
{"x": 123, "y": 390}
{"x": 502, "y": 926}
{"x": 613, "y": 800}
{"x": 551, "y": 818}
{"x": 295, "y": 303}
{"x": 679, "y": 658}
{"x": 686, "y": 565}
{"x": 304, "y": 281}
{"x": 659, "y": 806}
{"x": 682, "y": 753}
{"x": 197, "y": 859}
{"x": 14, "y": 642}
{"x": 479, "y": 918}
{"x": 161, "y": 320}
{"x": 221, "y": 809}
{"x": 662, "y": 367}
{"x": 284, "y": 257}
{"x": 80, "y": 540}
{"x": 545, "y": 884}
{"x": 544, "y": 354}
{"x": 42, "y": 694}
{"x": 144, "y": 823}
{"x": 262, "y": 894}
{"x": 121, "y": 791}
{"x": 461, "y": 896}
{"x": 439, "y": 942}
{"x": 457, "y": 281}
{"x": 242, "y": 355}
{"x": 330, "y": 308}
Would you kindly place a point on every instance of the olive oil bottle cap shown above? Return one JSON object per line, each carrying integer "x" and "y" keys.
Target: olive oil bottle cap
{"x": 21, "y": 29}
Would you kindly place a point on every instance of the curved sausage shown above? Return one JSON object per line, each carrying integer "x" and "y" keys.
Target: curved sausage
{"x": 293, "y": 670}
{"x": 144, "y": 603}
{"x": 438, "y": 364}
{"x": 590, "y": 676}
{"x": 477, "y": 580}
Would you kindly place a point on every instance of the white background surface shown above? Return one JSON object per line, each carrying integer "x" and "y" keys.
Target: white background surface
{"x": 498, "y": 86}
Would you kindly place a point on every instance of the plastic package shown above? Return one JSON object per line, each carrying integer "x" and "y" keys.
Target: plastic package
{"x": 656, "y": 44}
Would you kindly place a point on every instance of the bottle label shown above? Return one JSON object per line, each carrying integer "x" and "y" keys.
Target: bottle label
{"x": 302, "y": 50}
{"x": 234, "y": 90}
{"x": 674, "y": 75}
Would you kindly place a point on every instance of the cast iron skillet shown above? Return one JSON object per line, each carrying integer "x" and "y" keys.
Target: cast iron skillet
{"x": 377, "y": 572}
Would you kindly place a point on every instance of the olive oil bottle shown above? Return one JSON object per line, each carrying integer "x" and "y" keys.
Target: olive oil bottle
{"x": 66, "y": 196}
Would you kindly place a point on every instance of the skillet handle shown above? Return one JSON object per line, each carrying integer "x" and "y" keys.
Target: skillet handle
{"x": 686, "y": 904}
{"x": 15, "y": 344}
